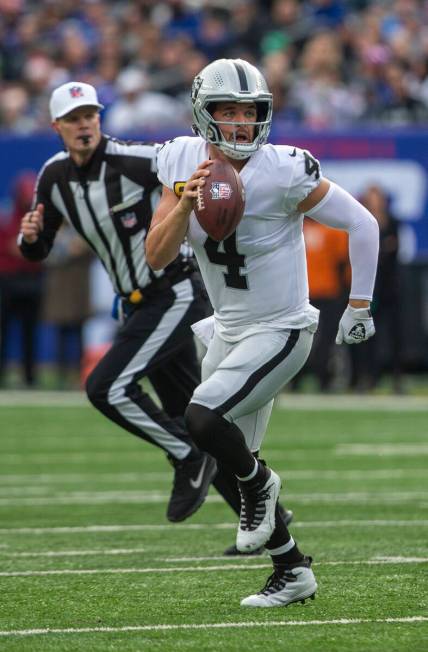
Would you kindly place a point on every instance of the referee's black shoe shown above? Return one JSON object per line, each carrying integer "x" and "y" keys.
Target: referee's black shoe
{"x": 232, "y": 551}
{"x": 192, "y": 480}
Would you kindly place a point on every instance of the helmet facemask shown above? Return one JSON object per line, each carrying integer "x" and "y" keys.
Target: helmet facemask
{"x": 229, "y": 80}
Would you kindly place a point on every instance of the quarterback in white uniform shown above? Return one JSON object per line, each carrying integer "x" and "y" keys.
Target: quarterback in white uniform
{"x": 257, "y": 283}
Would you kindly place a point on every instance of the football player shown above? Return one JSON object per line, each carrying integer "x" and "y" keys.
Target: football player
{"x": 256, "y": 279}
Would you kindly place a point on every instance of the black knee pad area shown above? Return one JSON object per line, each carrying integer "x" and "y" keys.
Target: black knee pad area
{"x": 221, "y": 439}
{"x": 202, "y": 423}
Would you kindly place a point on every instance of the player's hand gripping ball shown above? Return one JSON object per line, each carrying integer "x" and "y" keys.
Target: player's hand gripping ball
{"x": 220, "y": 203}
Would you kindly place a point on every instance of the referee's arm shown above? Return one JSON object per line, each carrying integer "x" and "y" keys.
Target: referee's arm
{"x": 46, "y": 231}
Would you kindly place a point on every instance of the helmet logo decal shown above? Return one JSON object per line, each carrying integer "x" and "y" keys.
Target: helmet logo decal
{"x": 197, "y": 83}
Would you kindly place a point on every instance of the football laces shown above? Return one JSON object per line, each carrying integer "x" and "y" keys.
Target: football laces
{"x": 200, "y": 199}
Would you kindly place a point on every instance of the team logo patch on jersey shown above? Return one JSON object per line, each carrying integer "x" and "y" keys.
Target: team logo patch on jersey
{"x": 76, "y": 91}
{"x": 179, "y": 188}
{"x": 128, "y": 220}
{"x": 220, "y": 190}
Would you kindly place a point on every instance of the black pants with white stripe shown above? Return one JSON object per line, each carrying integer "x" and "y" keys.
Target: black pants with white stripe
{"x": 157, "y": 342}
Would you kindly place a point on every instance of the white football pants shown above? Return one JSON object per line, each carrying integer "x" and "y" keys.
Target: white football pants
{"x": 241, "y": 379}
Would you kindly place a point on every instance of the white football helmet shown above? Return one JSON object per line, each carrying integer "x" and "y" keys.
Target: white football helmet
{"x": 231, "y": 80}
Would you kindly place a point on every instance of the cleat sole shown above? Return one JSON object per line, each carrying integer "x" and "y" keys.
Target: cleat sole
{"x": 302, "y": 600}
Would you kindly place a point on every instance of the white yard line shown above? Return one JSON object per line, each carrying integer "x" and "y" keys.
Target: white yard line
{"x": 412, "y": 449}
{"x": 66, "y": 457}
{"x": 379, "y": 559}
{"x": 95, "y": 457}
{"x": 155, "y": 497}
{"x": 74, "y": 553}
{"x": 369, "y": 562}
{"x": 130, "y": 571}
{"x": 202, "y": 569}
{"x": 43, "y": 399}
{"x": 389, "y": 450}
{"x": 344, "y": 402}
{"x": 132, "y": 551}
{"x": 78, "y": 529}
{"x": 307, "y": 402}
{"x": 204, "y": 626}
{"x": 22, "y": 479}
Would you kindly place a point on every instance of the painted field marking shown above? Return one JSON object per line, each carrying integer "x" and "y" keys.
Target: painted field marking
{"x": 389, "y": 450}
{"x": 204, "y": 626}
{"x": 74, "y": 553}
{"x": 22, "y": 479}
{"x": 414, "y": 449}
{"x": 199, "y": 569}
{"x": 379, "y": 559}
{"x": 78, "y": 529}
{"x": 369, "y": 562}
{"x": 155, "y": 497}
{"x": 342, "y": 402}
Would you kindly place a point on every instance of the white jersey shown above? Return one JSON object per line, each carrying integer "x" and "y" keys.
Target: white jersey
{"x": 256, "y": 278}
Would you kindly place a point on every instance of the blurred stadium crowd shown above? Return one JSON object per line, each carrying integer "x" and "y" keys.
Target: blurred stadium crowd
{"x": 330, "y": 63}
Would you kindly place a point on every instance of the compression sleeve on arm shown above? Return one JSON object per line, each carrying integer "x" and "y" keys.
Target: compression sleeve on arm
{"x": 340, "y": 210}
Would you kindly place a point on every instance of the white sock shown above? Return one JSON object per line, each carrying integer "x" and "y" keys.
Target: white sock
{"x": 282, "y": 549}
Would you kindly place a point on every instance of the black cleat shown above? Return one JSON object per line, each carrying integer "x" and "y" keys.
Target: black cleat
{"x": 192, "y": 481}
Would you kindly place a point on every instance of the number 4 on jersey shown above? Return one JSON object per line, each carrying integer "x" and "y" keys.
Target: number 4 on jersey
{"x": 229, "y": 258}
{"x": 311, "y": 165}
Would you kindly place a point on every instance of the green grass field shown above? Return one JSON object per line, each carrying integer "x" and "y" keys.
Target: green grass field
{"x": 89, "y": 562}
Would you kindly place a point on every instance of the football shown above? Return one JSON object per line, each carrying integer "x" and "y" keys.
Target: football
{"x": 220, "y": 203}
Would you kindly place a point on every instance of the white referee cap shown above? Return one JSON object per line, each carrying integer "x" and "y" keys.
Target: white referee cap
{"x": 70, "y": 96}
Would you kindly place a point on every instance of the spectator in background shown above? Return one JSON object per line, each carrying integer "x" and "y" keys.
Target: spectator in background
{"x": 288, "y": 18}
{"x": 14, "y": 110}
{"x": 77, "y": 37}
{"x": 395, "y": 103}
{"x": 328, "y": 13}
{"x": 167, "y": 75}
{"x": 214, "y": 36}
{"x": 20, "y": 283}
{"x": 248, "y": 26}
{"x": 276, "y": 66}
{"x": 383, "y": 352}
{"x": 66, "y": 302}
{"x": 319, "y": 89}
{"x": 139, "y": 109}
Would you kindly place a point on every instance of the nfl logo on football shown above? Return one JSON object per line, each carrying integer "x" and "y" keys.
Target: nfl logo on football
{"x": 220, "y": 190}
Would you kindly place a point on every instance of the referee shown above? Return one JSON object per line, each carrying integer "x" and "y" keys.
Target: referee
{"x": 107, "y": 190}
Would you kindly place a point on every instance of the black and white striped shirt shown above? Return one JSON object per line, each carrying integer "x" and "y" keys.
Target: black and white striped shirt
{"x": 110, "y": 203}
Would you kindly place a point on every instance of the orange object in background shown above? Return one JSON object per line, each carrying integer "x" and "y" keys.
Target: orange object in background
{"x": 329, "y": 276}
{"x": 327, "y": 258}
{"x": 90, "y": 359}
